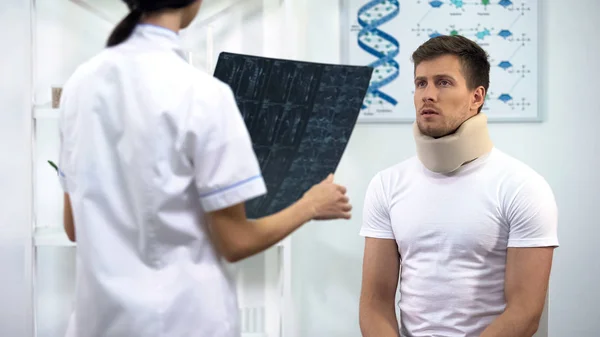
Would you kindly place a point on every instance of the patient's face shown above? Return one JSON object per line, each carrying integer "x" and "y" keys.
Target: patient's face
{"x": 442, "y": 98}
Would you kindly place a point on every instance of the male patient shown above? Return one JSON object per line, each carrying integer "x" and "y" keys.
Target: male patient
{"x": 469, "y": 229}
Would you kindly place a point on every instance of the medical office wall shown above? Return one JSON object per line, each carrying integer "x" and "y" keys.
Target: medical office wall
{"x": 325, "y": 257}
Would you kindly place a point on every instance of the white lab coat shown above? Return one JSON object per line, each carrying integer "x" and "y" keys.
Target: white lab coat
{"x": 149, "y": 144}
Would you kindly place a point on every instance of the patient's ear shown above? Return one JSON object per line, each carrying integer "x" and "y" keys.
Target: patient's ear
{"x": 478, "y": 98}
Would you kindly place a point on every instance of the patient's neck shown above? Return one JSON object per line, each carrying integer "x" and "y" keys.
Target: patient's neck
{"x": 445, "y": 154}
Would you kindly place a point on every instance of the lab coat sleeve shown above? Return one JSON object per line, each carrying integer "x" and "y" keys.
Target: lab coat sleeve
{"x": 227, "y": 171}
{"x": 65, "y": 165}
{"x": 62, "y": 177}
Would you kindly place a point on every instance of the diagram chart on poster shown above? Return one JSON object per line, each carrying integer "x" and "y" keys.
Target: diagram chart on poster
{"x": 384, "y": 33}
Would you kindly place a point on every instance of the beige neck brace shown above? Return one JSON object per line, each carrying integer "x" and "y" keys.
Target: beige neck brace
{"x": 446, "y": 154}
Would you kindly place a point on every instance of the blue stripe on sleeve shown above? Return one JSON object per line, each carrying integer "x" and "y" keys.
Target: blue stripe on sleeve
{"x": 230, "y": 186}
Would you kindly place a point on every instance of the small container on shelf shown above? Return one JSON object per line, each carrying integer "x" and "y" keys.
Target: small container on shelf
{"x": 56, "y": 94}
{"x": 49, "y": 110}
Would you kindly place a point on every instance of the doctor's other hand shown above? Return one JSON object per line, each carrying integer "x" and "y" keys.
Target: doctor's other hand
{"x": 328, "y": 200}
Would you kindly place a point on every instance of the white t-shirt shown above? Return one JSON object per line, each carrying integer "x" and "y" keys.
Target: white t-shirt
{"x": 453, "y": 232}
{"x": 149, "y": 144}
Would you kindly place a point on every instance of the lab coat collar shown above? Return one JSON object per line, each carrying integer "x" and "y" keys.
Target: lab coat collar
{"x": 159, "y": 35}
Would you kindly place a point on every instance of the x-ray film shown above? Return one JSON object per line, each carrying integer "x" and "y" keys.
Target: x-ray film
{"x": 300, "y": 116}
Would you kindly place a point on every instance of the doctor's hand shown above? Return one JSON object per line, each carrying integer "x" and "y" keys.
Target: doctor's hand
{"x": 328, "y": 200}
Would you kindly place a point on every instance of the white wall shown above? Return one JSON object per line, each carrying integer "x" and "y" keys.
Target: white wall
{"x": 15, "y": 170}
{"x": 565, "y": 149}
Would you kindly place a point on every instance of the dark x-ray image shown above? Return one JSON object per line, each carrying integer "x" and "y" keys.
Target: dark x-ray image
{"x": 300, "y": 116}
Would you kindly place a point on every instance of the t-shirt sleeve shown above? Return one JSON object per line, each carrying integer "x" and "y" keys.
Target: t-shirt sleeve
{"x": 533, "y": 215}
{"x": 376, "y": 219}
{"x": 227, "y": 171}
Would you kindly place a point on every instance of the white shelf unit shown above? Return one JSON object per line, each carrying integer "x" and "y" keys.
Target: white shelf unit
{"x": 45, "y": 112}
{"x": 58, "y": 46}
{"x": 51, "y": 237}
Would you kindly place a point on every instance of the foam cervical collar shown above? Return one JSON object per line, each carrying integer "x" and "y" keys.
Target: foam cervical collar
{"x": 446, "y": 154}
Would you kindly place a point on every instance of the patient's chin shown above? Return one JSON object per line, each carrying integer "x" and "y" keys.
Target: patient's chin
{"x": 431, "y": 130}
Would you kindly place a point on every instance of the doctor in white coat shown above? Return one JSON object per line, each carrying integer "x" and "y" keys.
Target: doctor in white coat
{"x": 156, "y": 164}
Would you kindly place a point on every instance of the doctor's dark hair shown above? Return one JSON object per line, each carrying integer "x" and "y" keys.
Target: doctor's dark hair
{"x": 474, "y": 60}
{"x": 137, "y": 9}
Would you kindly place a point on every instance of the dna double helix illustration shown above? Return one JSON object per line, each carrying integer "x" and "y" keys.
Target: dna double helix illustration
{"x": 381, "y": 45}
